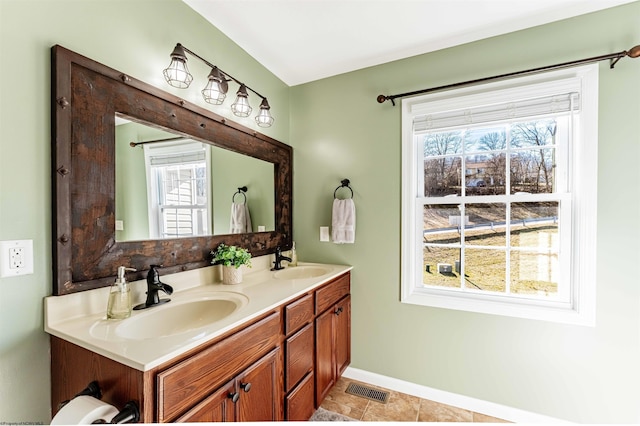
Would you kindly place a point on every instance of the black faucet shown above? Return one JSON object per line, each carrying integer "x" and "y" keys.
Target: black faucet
{"x": 153, "y": 286}
{"x": 279, "y": 258}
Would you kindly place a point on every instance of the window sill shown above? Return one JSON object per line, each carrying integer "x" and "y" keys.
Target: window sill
{"x": 558, "y": 313}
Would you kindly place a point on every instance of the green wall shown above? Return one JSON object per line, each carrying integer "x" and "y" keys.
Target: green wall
{"x": 576, "y": 373}
{"x": 338, "y": 130}
{"x": 132, "y": 36}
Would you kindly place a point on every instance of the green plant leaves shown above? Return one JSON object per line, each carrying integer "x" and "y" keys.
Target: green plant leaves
{"x": 231, "y": 256}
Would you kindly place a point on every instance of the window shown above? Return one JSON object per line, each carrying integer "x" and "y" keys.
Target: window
{"x": 179, "y": 204}
{"x": 499, "y": 197}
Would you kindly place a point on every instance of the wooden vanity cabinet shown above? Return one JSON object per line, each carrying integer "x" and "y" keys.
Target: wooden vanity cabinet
{"x": 279, "y": 366}
{"x": 333, "y": 335}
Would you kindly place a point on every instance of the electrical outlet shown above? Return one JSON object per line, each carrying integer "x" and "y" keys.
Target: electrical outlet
{"x": 16, "y": 258}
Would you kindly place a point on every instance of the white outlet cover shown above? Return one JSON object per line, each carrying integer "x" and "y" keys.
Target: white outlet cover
{"x": 324, "y": 233}
{"x": 5, "y": 259}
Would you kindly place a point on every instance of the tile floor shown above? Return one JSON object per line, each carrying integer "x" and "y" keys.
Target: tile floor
{"x": 399, "y": 407}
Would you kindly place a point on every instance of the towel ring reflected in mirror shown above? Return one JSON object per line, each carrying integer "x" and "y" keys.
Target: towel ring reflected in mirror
{"x": 241, "y": 191}
{"x": 344, "y": 183}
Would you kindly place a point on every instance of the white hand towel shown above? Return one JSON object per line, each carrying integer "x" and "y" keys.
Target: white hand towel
{"x": 240, "y": 218}
{"x": 343, "y": 221}
{"x": 247, "y": 219}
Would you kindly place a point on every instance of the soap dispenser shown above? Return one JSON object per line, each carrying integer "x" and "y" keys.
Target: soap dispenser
{"x": 119, "y": 305}
{"x": 293, "y": 255}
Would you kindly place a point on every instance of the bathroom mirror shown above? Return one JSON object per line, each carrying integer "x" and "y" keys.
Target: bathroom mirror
{"x": 169, "y": 186}
{"x": 86, "y": 98}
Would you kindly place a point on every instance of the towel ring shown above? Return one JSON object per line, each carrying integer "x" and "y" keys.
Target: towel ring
{"x": 344, "y": 183}
{"x": 241, "y": 191}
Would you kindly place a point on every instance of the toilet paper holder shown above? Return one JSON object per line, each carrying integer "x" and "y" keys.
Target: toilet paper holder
{"x": 130, "y": 413}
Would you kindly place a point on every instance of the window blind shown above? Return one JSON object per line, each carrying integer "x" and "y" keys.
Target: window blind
{"x": 175, "y": 153}
{"x": 498, "y": 112}
{"x": 181, "y": 158}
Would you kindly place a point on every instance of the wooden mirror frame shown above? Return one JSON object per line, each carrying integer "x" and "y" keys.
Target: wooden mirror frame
{"x": 86, "y": 96}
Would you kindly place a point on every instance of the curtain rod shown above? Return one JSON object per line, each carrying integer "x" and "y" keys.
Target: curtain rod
{"x": 634, "y": 52}
{"x": 134, "y": 144}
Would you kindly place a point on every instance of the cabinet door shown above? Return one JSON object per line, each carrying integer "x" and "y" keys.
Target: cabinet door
{"x": 218, "y": 407}
{"x": 342, "y": 329}
{"x": 325, "y": 376}
{"x": 260, "y": 392}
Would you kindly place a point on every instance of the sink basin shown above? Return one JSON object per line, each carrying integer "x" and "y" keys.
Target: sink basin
{"x": 300, "y": 272}
{"x": 178, "y": 317}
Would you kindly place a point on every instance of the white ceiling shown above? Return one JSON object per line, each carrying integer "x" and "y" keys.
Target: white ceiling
{"x": 305, "y": 40}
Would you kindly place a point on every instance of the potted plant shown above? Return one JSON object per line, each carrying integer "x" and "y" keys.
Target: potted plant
{"x": 231, "y": 258}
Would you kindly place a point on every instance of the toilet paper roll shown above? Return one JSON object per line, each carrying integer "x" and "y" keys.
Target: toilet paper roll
{"x": 84, "y": 410}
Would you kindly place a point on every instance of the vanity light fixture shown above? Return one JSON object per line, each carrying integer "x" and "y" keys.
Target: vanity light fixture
{"x": 177, "y": 74}
{"x": 241, "y": 106}
{"x": 216, "y": 89}
{"x": 215, "y": 92}
{"x": 264, "y": 119}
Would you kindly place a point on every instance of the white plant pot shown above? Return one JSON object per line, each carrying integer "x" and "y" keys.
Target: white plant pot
{"x": 231, "y": 275}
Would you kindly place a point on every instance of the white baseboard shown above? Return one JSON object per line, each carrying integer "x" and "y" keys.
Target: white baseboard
{"x": 472, "y": 404}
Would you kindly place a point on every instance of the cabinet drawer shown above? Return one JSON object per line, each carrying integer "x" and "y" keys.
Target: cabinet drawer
{"x": 299, "y": 356}
{"x": 299, "y": 403}
{"x": 329, "y": 294}
{"x": 188, "y": 382}
{"x": 298, "y": 313}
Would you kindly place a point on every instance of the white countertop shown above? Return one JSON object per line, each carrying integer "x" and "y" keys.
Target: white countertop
{"x": 80, "y": 318}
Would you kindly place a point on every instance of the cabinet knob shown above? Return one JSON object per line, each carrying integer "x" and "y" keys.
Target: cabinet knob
{"x": 338, "y": 311}
{"x": 234, "y": 396}
{"x": 245, "y": 386}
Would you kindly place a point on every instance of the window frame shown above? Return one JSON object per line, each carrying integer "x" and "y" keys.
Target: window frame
{"x": 580, "y": 309}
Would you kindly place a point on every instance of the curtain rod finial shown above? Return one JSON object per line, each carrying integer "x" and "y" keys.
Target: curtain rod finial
{"x": 382, "y": 98}
{"x": 634, "y": 52}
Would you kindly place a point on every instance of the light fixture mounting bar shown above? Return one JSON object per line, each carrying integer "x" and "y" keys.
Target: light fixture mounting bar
{"x": 191, "y": 52}
{"x": 634, "y": 52}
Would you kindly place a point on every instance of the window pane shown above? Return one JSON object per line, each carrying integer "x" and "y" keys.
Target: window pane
{"x": 441, "y": 224}
{"x": 533, "y": 133}
{"x": 532, "y": 171}
{"x": 486, "y": 224}
{"x": 534, "y": 226}
{"x": 439, "y": 266}
{"x": 485, "y": 140}
{"x": 534, "y": 273}
{"x": 442, "y": 176}
{"x": 445, "y": 143}
{"x": 485, "y": 270}
{"x": 485, "y": 174}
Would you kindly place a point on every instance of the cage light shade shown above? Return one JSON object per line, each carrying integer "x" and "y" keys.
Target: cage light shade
{"x": 177, "y": 74}
{"x": 216, "y": 89}
{"x": 241, "y": 106}
{"x": 264, "y": 118}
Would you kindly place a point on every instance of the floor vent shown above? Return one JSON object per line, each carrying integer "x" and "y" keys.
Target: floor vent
{"x": 367, "y": 392}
